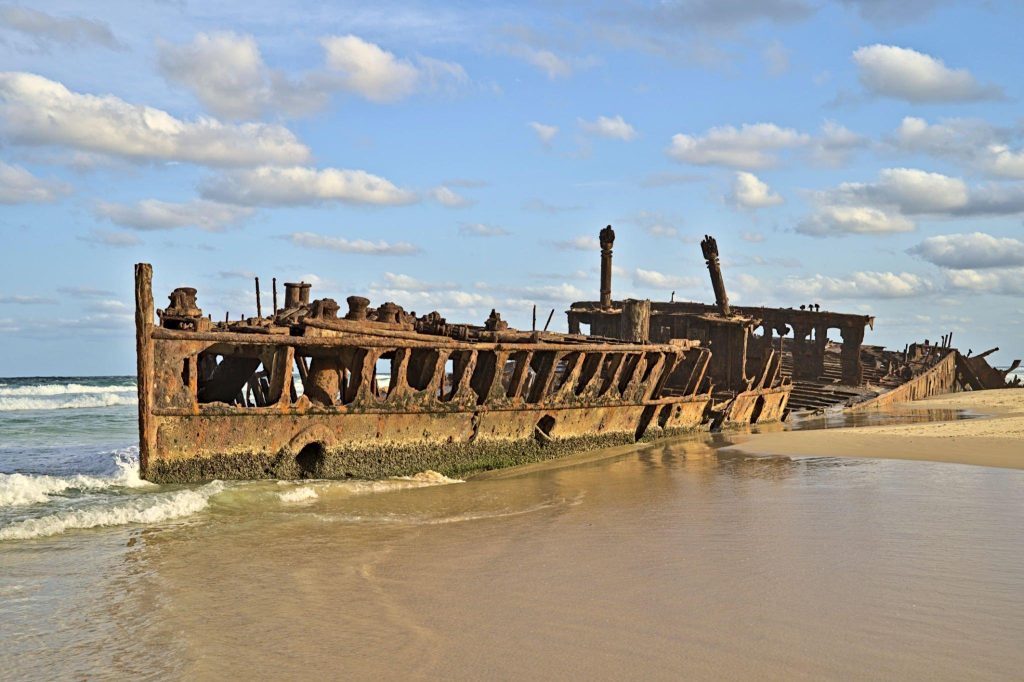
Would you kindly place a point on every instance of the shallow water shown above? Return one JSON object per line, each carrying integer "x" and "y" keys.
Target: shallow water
{"x": 671, "y": 561}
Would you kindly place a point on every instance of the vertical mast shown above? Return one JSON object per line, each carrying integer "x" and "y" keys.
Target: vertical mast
{"x": 607, "y": 238}
{"x": 710, "y": 249}
{"x": 144, "y": 357}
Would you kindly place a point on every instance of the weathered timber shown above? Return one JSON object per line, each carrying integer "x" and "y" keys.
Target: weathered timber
{"x": 635, "y": 321}
{"x": 144, "y": 358}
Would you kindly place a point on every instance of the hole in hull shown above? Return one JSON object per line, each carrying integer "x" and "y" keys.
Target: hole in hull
{"x": 310, "y": 460}
{"x": 542, "y": 432}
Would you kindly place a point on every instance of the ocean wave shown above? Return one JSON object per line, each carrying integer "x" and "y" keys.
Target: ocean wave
{"x": 421, "y": 480}
{"x": 25, "y": 489}
{"x": 325, "y": 488}
{"x": 62, "y": 389}
{"x": 429, "y": 477}
{"x": 153, "y": 508}
{"x": 303, "y": 494}
{"x": 69, "y": 401}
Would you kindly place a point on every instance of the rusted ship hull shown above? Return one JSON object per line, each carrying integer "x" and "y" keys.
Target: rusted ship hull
{"x": 220, "y": 403}
{"x": 295, "y": 394}
{"x": 758, "y": 406}
{"x": 245, "y": 445}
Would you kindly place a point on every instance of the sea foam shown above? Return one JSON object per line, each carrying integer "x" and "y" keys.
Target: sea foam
{"x": 24, "y": 489}
{"x": 142, "y": 509}
{"x": 64, "y": 396}
{"x": 303, "y": 494}
{"x": 59, "y": 389}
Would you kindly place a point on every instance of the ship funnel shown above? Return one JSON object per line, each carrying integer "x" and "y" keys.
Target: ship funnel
{"x": 296, "y": 294}
{"x": 710, "y": 249}
{"x": 607, "y": 238}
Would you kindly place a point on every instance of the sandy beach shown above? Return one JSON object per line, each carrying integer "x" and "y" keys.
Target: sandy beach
{"x": 996, "y": 439}
{"x": 665, "y": 561}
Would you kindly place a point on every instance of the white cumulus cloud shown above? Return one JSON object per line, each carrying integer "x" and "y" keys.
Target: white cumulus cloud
{"x": 1008, "y": 281}
{"x": 973, "y": 251}
{"x": 312, "y": 240}
{"x": 911, "y": 190}
{"x": 835, "y": 144}
{"x": 45, "y": 28}
{"x": 18, "y": 186}
{"x": 749, "y": 191}
{"x": 913, "y": 76}
{"x": 749, "y": 146}
{"x": 868, "y": 285}
{"x": 1001, "y": 161}
{"x": 38, "y": 111}
{"x": 227, "y": 74}
{"x": 380, "y": 76}
{"x": 974, "y": 143}
{"x": 449, "y": 197}
{"x": 370, "y": 70}
{"x": 545, "y": 133}
{"x": 400, "y": 281}
{"x": 298, "y": 185}
{"x": 841, "y": 220}
{"x": 612, "y": 127}
{"x": 579, "y": 243}
{"x": 153, "y": 214}
{"x": 547, "y": 61}
{"x": 652, "y": 279}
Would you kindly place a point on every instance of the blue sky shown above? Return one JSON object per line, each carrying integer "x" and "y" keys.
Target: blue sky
{"x": 862, "y": 154}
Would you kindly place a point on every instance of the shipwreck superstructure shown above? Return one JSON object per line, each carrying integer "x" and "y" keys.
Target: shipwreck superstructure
{"x": 767, "y": 362}
{"x": 744, "y": 377}
{"x": 308, "y": 392}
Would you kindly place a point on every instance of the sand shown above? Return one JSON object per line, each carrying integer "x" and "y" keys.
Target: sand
{"x": 996, "y": 440}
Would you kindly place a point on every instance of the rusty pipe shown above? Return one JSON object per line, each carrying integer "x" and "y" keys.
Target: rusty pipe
{"x": 710, "y": 249}
{"x": 607, "y": 238}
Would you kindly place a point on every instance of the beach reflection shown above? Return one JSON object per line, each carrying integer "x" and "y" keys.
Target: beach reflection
{"x": 665, "y": 562}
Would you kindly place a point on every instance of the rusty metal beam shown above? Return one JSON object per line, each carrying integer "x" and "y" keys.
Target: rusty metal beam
{"x": 373, "y": 341}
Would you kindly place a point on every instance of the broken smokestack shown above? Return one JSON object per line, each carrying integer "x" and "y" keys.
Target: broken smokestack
{"x": 259, "y": 306}
{"x": 710, "y": 249}
{"x": 607, "y": 238}
{"x": 296, "y": 295}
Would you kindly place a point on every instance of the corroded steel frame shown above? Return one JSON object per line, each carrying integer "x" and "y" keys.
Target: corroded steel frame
{"x": 564, "y": 394}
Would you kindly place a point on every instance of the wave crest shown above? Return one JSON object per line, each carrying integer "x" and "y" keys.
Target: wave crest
{"x": 25, "y": 489}
{"x": 68, "y": 401}
{"x": 303, "y": 494}
{"x": 62, "y": 389}
{"x": 144, "y": 509}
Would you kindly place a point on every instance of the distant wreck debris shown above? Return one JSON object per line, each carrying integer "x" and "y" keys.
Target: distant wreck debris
{"x": 758, "y": 353}
{"x": 306, "y": 393}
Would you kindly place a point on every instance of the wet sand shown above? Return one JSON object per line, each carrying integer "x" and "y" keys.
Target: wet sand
{"x": 678, "y": 560}
{"x": 672, "y": 561}
{"x": 996, "y": 439}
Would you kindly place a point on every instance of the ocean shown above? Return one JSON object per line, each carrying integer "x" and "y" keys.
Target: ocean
{"x": 669, "y": 561}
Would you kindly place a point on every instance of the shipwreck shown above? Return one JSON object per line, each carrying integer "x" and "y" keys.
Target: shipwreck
{"x": 307, "y": 393}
